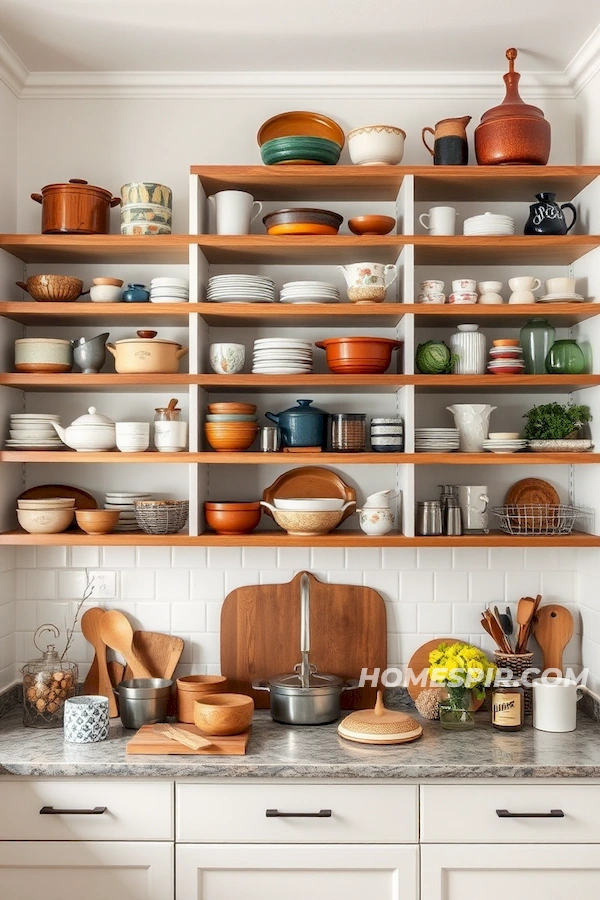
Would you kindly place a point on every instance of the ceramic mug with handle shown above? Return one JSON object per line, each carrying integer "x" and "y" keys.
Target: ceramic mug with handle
{"x": 441, "y": 220}
{"x": 473, "y": 501}
{"x": 235, "y": 211}
{"x": 555, "y": 704}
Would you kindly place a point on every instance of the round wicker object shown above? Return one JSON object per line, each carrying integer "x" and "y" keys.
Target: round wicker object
{"x": 161, "y": 516}
{"x": 379, "y": 726}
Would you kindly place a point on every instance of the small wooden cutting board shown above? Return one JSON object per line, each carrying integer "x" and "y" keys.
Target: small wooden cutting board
{"x": 148, "y": 742}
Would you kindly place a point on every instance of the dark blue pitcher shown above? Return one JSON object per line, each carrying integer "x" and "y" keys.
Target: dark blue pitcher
{"x": 546, "y": 216}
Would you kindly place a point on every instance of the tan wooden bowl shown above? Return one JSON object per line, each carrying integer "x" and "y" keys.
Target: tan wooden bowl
{"x": 191, "y": 688}
{"x": 222, "y": 714}
{"x": 97, "y": 521}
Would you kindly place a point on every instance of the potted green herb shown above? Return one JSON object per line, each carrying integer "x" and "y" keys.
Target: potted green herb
{"x": 553, "y": 427}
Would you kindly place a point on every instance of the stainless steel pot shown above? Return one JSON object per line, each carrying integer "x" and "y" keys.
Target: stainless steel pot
{"x": 304, "y": 696}
{"x": 143, "y": 701}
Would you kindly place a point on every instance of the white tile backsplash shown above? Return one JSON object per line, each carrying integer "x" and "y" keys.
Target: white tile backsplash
{"x": 434, "y": 591}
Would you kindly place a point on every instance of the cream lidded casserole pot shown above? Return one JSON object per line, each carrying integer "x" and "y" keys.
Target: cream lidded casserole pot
{"x": 146, "y": 355}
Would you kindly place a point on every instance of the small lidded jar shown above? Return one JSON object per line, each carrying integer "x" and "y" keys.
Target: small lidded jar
{"x": 508, "y": 705}
{"x": 47, "y": 683}
{"x": 170, "y": 432}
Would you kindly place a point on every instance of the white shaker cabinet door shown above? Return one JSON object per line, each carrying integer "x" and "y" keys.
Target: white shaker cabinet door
{"x": 56, "y": 870}
{"x": 535, "y": 871}
{"x": 276, "y": 871}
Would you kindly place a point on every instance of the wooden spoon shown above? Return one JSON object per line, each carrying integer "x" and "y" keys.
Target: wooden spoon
{"x": 98, "y": 679}
{"x": 116, "y": 632}
{"x": 525, "y": 609}
{"x": 553, "y": 631}
{"x": 192, "y": 741}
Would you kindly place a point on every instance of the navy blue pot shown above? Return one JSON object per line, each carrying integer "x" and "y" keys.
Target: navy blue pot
{"x": 302, "y": 425}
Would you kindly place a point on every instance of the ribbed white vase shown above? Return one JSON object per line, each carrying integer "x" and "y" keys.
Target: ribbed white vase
{"x": 469, "y": 345}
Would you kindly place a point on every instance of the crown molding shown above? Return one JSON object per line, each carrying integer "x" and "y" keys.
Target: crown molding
{"x": 13, "y": 72}
{"x": 585, "y": 64}
{"x": 301, "y": 85}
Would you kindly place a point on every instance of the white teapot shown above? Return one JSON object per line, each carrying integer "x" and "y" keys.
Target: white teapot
{"x": 89, "y": 432}
{"x": 380, "y": 500}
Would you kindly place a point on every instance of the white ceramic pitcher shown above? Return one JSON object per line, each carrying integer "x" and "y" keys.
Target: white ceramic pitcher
{"x": 235, "y": 211}
{"x": 473, "y": 423}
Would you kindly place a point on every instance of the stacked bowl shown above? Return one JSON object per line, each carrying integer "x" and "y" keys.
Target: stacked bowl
{"x": 300, "y": 138}
{"x": 231, "y": 427}
{"x": 169, "y": 290}
{"x": 146, "y": 208}
{"x": 505, "y": 442}
{"x": 33, "y": 431}
{"x": 308, "y": 515}
{"x": 45, "y": 516}
{"x": 506, "y": 357}
{"x": 387, "y": 435}
{"x": 124, "y": 502}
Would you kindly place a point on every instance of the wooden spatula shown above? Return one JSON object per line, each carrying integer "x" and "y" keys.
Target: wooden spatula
{"x": 160, "y": 653}
{"x": 116, "y": 632}
{"x": 525, "y": 610}
{"x": 98, "y": 679}
{"x": 183, "y": 737}
{"x": 553, "y": 631}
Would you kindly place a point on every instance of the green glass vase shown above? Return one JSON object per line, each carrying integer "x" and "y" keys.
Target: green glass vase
{"x": 536, "y": 337}
{"x": 565, "y": 357}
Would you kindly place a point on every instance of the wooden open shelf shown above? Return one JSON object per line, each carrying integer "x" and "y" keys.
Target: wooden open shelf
{"x": 341, "y": 538}
{"x": 457, "y": 183}
{"x": 253, "y": 458}
{"x": 516, "y": 250}
{"x": 98, "y": 248}
{"x": 286, "y": 250}
{"x": 135, "y": 314}
{"x": 529, "y": 384}
{"x": 77, "y": 381}
{"x": 562, "y": 315}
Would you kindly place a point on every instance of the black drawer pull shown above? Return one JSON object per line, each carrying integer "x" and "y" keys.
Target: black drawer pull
{"x": 275, "y": 814}
{"x": 553, "y": 814}
{"x": 50, "y": 811}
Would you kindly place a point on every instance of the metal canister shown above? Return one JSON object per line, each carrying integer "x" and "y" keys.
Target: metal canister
{"x": 270, "y": 439}
{"x": 429, "y": 518}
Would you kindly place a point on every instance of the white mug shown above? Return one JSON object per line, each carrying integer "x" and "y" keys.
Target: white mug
{"x": 524, "y": 283}
{"x": 234, "y": 211}
{"x": 473, "y": 501}
{"x": 170, "y": 437}
{"x": 555, "y": 704}
{"x": 561, "y": 285}
{"x": 441, "y": 220}
{"x": 132, "y": 437}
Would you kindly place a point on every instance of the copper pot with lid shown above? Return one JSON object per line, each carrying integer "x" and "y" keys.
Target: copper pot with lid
{"x": 75, "y": 208}
{"x": 514, "y": 133}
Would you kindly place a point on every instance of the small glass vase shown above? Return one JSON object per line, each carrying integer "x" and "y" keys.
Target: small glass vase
{"x": 455, "y": 713}
{"x": 565, "y": 357}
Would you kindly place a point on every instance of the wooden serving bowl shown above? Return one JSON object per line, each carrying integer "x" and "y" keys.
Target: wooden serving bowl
{"x": 371, "y": 224}
{"x": 230, "y": 436}
{"x": 232, "y": 409}
{"x": 53, "y": 288}
{"x": 232, "y": 518}
{"x": 190, "y": 688}
{"x": 222, "y": 714}
{"x": 97, "y": 521}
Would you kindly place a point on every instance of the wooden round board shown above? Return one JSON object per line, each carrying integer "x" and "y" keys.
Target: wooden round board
{"x": 532, "y": 492}
{"x": 83, "y": 500}
{"x": 378, "y": 738}
{"x": 310, "y": 481}
{"x": 420, "y": 660}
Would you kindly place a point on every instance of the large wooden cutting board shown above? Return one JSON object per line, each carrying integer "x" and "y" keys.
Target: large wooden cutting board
{"x": 260, "y": 635}
{"x": 147, "y": 741}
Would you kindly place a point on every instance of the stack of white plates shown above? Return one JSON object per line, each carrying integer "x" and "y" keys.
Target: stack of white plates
{"x": 309, "y": 292}
{"x": 504, "y": 446}
{"x": 169, "y": 290}
{"x": 436, "y": 440}
{"x": 33, "y": 431}
{"x": 123, "y": 501}
{"x": 282, "y": 356}
{"x": 489, "y": 223}
{"x": 240, "y": 289}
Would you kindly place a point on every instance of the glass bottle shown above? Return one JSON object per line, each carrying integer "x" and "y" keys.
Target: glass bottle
{"x": 565, "y": 357}
{"x": 47, "y": 683}
{"x": 537, "y": 336}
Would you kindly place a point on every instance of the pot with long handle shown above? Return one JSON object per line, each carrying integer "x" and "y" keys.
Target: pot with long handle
{"x": 304, "y": 696}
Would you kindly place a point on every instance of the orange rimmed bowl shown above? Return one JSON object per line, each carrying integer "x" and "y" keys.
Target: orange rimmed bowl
{"x": 232, "y": 518}
{"x": 359, "y": 355}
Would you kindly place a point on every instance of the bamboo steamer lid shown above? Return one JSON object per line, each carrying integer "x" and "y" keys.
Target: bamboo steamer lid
{"x": 379, "y": 726}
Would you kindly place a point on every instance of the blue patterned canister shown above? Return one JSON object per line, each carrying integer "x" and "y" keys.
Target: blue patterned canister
{"x": 86, "y": 719}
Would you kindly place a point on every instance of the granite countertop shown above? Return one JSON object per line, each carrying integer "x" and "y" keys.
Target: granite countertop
{"x": 280, "y": 751}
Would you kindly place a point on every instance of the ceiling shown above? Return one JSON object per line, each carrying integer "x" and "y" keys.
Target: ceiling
{"x": 312, "y": 35}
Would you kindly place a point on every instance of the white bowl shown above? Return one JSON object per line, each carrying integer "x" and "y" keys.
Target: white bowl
{"x": 309, "y": 504}
{"x": 376, "y": 145}
{"x": 504, "y": 436}
{"x": 106, "y": 293}
{"x": 45, "y": 521}
{"x": 47, "y": 503}
{"x": 227, "y": 359}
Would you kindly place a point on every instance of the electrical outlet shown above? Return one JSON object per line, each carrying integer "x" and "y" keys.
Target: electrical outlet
{"x": 104, "y": 584}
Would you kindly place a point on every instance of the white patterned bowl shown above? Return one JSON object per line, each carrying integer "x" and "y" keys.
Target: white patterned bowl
{"x": 376, "y": 145}
{"x": 227, "y": 359}
{"x": 86, "y": 719}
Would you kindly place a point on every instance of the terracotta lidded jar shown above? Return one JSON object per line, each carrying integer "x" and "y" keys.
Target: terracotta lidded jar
{"x": 514, "y": 133}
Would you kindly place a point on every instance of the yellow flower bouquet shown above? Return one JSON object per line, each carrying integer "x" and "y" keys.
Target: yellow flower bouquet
{"x": 462, "y": 669}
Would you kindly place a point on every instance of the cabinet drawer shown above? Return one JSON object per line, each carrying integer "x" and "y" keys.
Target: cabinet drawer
{"x": 136, "y": 811}
{"x": 478, "y": 806}
{"x": 223, "y": 813}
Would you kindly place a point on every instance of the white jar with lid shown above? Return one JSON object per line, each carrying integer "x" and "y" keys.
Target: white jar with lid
{"x": 469, "y": 345}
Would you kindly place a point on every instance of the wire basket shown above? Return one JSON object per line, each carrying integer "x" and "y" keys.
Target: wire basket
{"x": 532, "y": 519}
{"x": 161, "y": 516}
